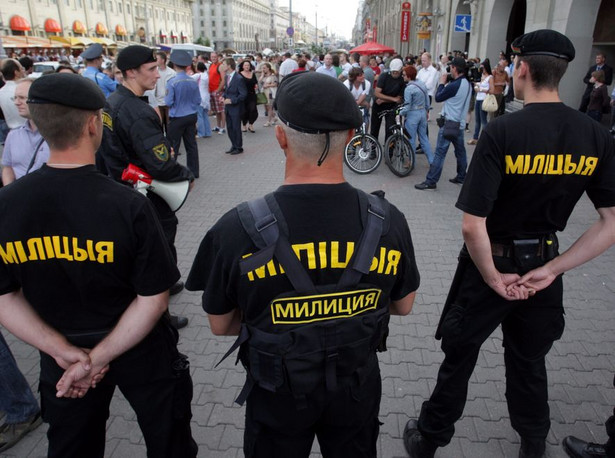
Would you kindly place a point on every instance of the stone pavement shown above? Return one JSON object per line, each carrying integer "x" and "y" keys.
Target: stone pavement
{"x": 580, "y": 366}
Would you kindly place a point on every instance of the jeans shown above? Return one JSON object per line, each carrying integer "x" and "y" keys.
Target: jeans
{"x": 435, "y": 169}
{"x": 203, "y": 129}
{"x": 16, "y": 398}
{"x": 416, "y": 125}
{"x": 480, "y": 118}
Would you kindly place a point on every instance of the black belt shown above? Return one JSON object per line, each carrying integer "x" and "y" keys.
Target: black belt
{"x": 507, "y": 250}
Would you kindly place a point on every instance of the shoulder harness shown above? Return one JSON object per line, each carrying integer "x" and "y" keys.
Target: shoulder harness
{"x": 299, "y": 359}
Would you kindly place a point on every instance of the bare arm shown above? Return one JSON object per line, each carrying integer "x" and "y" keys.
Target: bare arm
{"x": 8, "y": 175}
{"x": 228, "y": 324}
{"x": 477, "y": 241}
{"x": 402, "y": 306}
{"x": 596, "y": 240}
{"x": 18, "y": 316}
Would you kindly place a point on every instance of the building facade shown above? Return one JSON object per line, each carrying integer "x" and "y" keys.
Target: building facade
{"x": 483, "y": 28}
{"x": 149, "y": 22}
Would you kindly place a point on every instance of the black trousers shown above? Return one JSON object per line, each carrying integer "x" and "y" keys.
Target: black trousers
{"x": 529, "y": 327}
{"x": 389, "y": 119}
{"x": 185, "y": 127}
{"x": 345, "y": 422}
{"x": 167, "y": 219}
{"x": 610, "y": 430}
{"x": 233, "y": 129}
{"x": 156, "y": 383}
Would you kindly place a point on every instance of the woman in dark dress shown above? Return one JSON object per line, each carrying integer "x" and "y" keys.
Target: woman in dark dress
{"x": 250, "y": 112}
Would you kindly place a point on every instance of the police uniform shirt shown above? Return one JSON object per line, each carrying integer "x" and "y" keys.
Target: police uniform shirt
{"x": 133, "y": 133}
{"x": 183, "y": 96}
{"x": 531, "y": 167}
{"x": 82, "y": 248}
{"x": 106, "y": 84}
{"x": 325, "y": 224}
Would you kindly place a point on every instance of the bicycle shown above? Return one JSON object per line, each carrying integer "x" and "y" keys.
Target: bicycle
{"x": 363, "y": 152}
{"x": 398, "y": 152}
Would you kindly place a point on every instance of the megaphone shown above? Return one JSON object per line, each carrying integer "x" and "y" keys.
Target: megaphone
{"x": 174, "y": 194}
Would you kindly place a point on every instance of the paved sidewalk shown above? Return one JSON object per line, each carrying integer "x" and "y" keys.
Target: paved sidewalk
{"x": 581, "y": 364}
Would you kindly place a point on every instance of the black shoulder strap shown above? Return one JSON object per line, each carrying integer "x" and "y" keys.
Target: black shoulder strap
{"x": 263, "y": 226}
{"x": 375, "y": 211}
{"x": 38, "y": 147}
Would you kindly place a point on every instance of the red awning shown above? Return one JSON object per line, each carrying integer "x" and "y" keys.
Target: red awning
{"x": 173, "y": 34}
{"x": 120, "y": 30}
{"x": 101, "y": 29}
{"x": 52, "y": 26}
{"x": 163, "y": 34}
{"x": 19, "y": 23}
{"x": 78, "y": 27}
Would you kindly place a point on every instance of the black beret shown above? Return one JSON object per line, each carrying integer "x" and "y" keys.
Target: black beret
{"x": 314, "y": 103}
{"x": 93, "y": 52}
{"x": 181, "y": 58}
{"x": 134, "y": 56}
{"x": 67, "y": 89}
{"x": 544, "y": 42}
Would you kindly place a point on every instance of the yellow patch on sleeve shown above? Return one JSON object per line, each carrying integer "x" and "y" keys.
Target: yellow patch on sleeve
{"x": 107, "y": 121}
{"x": 161, "y": 151}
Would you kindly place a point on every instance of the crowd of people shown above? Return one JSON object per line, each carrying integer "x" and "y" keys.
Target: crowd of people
{"x": 88, "y": 267}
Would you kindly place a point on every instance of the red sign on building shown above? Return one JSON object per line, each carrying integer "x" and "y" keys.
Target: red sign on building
{"x": 405, "y": 22}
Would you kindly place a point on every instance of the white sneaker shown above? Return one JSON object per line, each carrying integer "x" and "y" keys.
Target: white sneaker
{"x": 221, "y": 131}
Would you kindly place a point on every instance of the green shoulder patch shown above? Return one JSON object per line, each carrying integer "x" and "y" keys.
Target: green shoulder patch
{"x": 107, "y": 121}
{"x": 162, "y": 152}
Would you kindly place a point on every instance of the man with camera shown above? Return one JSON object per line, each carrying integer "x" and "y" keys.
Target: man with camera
{"x": 456, "y": 97}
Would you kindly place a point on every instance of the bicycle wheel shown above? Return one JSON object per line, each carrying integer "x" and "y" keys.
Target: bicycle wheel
{"x": 399, "y": 155}
{"x": 363, "y": 154}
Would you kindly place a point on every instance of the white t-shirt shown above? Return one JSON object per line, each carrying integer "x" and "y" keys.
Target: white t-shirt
{"x": 160, "y": 91}
{"x": 202, "y": 80}
{"x": 356, "y": 92}
{"x": 484, "y": 88}
{"x": 429, "y": 76}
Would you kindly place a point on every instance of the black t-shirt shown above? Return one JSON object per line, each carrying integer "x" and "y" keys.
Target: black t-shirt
{"x": 392, "y": 87}
{"x": 531, "y": 167}
{"x": 80, "y": 246}
{"x": 324, "y": 222}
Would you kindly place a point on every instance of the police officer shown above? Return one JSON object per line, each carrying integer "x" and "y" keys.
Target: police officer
{"x": 133, "y": 134}
{"x": 89, "y": 260}
{"x": 183, "y": 99}
{"x": 528, "y": 171}
{"x": 325, "y": 385}
{"x": 93, "y": 61}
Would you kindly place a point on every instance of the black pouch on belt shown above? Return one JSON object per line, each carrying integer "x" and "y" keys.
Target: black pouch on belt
{"x": 527, "y": 254}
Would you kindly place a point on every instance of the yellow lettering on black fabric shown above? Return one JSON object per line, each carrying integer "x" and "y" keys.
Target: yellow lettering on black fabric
{"x": 322, "y": 307}
{"x": 331, "y": 255}
{"x": 549, "y": 164}
{"x": 59, "y": 247}
{"x": 162, "y": 152}
{"x": 107, "y": 121}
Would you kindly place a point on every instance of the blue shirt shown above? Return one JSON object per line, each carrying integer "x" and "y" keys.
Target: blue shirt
{"x": 103, "y": 81}
{"x": 19, "y": 149}
{"x": 183, "y": 96}
{"x": 456, "y": 96}
{"x": 415, "y": 97}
